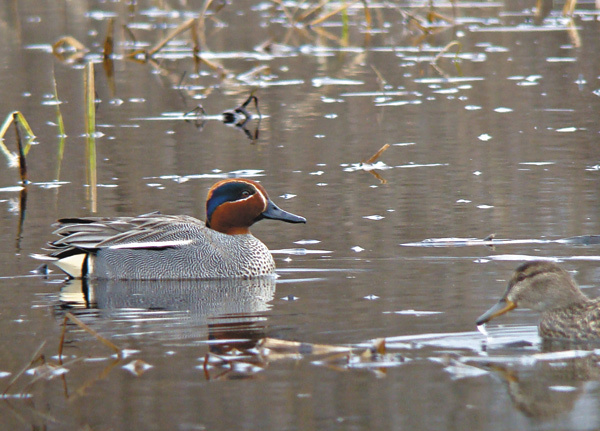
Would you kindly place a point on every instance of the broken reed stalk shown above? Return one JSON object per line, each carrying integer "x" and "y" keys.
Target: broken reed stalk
{"x": 287, "y": 14}
{"x": 375, "y": 156}
{"x": 61, "y": 50}
{"x": 569, "y": 8}
{"x": 22, "y": 162}
{"x": 90, "y": 331}
{"x": 573, "y": 34}
{"x": 10, "y": 157}
{"x": 433, "y": 62}
{"x": 18, "y": 159}
{"x": 90, "y": 130}
{"x": 196, "y": 37}
{"x": 368, "y": 18}
{"x": 328, "y": 15}
{"x": 173, "y": 34}
{"x": 381, "y": 81}
{"x": 445, "y": 49}
{"x": 311, "y": 11}
{"x": 34, "y": 358}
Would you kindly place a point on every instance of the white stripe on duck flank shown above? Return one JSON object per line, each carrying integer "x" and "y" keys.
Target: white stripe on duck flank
{"x": 151, "y": 244}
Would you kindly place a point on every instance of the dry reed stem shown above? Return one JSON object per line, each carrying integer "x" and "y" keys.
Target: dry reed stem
{"x": 569, "y": 7}
{"x": 173, "y": 34}
{"x": 375, "y": 156}
{"x": 287, "y": 14}
{"x": 22, "y": 161}
{"x": 574, "y": 34}
{"x": 90, "y": 331}
{"x": 34, "y": 358}
{"x": 69, "y": 41}
{"x": 368, "y": 18}
{"x": 328, "y": 15}
{"x": 315, "y": 9}
{"x": 78, "y": 47}
{"x": 433, "y": 62}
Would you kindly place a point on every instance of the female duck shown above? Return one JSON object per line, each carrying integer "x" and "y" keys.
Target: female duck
{"x": 166, "y": 247}
{"x": 545, "y": 287}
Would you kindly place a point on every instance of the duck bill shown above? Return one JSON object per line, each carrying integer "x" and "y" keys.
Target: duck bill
{"x": 501, "y": 307}
{"x": 273, "y": 212}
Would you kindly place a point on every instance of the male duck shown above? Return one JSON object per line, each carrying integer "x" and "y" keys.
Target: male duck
{"x": 544, "y": 286}
{"x": 166, "y": 247}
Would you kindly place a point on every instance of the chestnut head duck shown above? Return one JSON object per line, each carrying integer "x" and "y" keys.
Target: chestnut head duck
{"x": 169, "y": 247}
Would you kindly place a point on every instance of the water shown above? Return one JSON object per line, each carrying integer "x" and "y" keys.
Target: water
{"x": 503, "y": 142}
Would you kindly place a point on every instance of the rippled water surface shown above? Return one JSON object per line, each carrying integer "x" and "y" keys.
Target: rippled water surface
{"x": 490, "y": 112}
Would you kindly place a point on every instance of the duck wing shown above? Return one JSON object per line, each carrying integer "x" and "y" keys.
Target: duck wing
{"x": 151, "y": 231}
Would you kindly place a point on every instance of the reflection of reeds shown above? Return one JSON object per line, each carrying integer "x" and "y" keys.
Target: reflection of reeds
{"x": 90, "y": 131}
{"x": 109, "y": 41}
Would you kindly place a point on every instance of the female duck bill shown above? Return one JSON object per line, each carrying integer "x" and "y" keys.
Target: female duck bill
{"x": 501, "y": 307}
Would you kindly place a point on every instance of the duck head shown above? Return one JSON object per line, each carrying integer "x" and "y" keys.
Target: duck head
{"x": 538, "y": 285}
{"x": 233, "y": 205}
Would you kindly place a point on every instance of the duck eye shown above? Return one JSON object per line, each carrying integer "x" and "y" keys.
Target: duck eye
{"x": 245, "y": 193}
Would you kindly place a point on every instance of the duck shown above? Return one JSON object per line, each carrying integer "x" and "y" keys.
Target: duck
{"x": 543, "y": 286}
{"x": 154, "y": 246}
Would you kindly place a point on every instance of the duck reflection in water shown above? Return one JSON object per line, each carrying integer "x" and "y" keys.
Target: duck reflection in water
{"x": 550, "y": 389}
{"x": 233, "y": 310}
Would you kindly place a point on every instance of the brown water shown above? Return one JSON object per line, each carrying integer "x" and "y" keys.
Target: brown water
{"x": 505, "y": 143}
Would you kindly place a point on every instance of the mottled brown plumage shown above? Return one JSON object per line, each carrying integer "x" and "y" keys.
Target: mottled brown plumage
{"x": 566, "y": 313}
